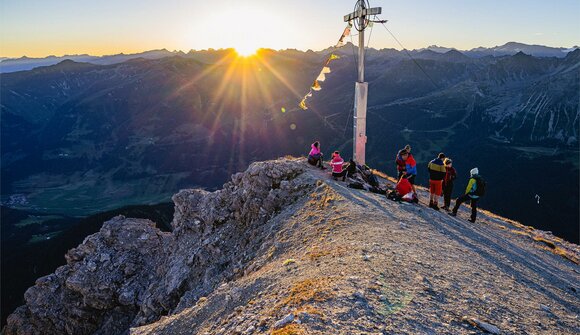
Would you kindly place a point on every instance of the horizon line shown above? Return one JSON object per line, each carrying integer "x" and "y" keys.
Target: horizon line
{"x": 267, "y": 48}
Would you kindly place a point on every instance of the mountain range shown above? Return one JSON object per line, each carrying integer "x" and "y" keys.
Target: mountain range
{"x": 508, "y": 49}
{"x": 80, "y": 138}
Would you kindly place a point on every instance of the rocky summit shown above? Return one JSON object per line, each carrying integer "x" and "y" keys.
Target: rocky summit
{"x": 284, "y": 249}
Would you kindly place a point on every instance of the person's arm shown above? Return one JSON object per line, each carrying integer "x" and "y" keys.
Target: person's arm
{"x": 411, "y": 170}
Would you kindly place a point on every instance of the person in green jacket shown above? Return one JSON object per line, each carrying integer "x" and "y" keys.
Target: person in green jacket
{"x": 471, "y": 194}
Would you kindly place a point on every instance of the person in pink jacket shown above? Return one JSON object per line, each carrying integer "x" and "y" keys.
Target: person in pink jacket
{"x": 315, "y": 155}
{"x": 337, "y": 163}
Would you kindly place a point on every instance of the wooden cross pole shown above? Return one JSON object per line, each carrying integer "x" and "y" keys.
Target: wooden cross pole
{"x": 361, "y": 87}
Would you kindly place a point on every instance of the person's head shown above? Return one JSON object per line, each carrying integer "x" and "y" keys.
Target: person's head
{"x": 351, "y": 161}
{"x": 441, "y": 155}
{"x": 316, "y": 144}
{"x": 336, "y": 153}
{"x": 474, "y": 171}
{"x": 404, "y": 154}
{"x": 408, "y": 148}
{"x": 448, "y": 162}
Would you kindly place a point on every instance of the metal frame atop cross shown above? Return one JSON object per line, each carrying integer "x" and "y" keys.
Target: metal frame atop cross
{"x": 361, "y": 87}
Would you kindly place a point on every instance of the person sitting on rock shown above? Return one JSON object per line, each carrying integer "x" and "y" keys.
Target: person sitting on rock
{"x": 315, "y": 155}
{"x": 337, "y": 166}
{"x": 405, "y": 190}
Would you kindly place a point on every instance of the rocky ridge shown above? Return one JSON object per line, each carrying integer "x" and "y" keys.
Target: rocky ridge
{"x": 281, "y": 249}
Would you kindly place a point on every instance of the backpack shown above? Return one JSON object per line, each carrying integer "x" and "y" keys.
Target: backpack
{"x": 480, "y": 186}
{"x": 373, "y": 180}
{"x": 356, "y": 185}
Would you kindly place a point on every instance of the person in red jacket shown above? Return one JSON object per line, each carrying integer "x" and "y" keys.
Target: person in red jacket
{"x": 337, "y": 166}
{"x": 450, "y": 175}
{"x": 405, "y": 190}
{"x": 401, "y": 162}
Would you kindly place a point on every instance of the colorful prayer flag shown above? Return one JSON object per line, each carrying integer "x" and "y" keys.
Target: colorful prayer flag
{"x": 302, "y": 104}
{"x": 333, "y": 57}
{"x": 321, "y": 77}
{"x": 326, "y": 69}
{"x": 346, "y": 31}
{"x": 316, "y": 86}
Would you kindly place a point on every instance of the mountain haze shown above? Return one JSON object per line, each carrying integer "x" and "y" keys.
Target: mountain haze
{"x": 26, "y": 63}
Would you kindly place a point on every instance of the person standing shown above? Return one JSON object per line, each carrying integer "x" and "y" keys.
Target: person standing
{"x": 475, "y": 189}
{"x": 401, "y": 164}
{"x": 450, "y": 175}
{"x": 436, "y": 175}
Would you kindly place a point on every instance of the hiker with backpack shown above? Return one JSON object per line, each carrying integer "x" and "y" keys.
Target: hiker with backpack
{"x": 475, "y": 189}
{"x": 315, "y": 155}
{"x": 337, "y": 166}
{"x": 450, "y": 175}
{"x": 436, "y": 175}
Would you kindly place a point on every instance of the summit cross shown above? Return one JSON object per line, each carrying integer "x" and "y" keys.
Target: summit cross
{"x": 359, "y": 16}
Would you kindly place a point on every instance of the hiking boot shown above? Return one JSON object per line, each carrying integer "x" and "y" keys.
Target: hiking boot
{"x": 452, "y": 213}
{"x": 445, "y": 208}
{"x": 435, "y": 207}
{"x": 471, "y": 220}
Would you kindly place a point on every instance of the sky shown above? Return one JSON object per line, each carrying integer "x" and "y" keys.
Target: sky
{"x": 38, "y": 28}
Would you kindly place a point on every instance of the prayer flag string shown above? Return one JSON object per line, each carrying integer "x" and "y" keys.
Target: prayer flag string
{"x": 325, "y": 69}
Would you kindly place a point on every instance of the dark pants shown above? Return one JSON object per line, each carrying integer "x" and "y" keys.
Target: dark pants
{"x": 411, "y": 179}
{"x": 463, "y": 199}
{"x": 447, "y": 189}
{"x": 315, "y": 160}
{"x": 339, "y": 175}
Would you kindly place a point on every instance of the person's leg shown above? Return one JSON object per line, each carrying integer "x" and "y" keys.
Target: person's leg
{"x": 412, "y": 181}
{"x": 450, "y": 193}
{"x": 446, "y": 196}
{"x": 473, "y": 209}
{"x": 437, "y": 194}
{"x": 343, "y": 175}
{"x": 458, "y": 202}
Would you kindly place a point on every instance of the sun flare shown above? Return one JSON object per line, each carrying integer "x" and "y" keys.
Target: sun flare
{"x": 246, "y": 50}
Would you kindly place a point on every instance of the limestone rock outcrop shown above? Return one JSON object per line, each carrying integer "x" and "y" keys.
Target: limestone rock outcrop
{"x": 130, "y": 273}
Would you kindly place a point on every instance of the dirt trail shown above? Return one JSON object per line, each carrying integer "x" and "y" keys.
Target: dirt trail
{"x": 347, "y": 261}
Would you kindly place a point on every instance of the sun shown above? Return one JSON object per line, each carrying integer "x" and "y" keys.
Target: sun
{"x": 246, "y": 50}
